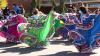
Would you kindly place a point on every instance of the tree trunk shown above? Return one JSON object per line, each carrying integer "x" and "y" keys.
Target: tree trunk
{"x": 38, "y": 4}
{"x": 33, "y": 5}
{"x": 53, "y": 4}
{"x": 62, "y": 6}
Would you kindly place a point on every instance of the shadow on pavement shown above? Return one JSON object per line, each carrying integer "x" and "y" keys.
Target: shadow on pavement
{"x": 21, "y": 50}
{"x": 61, "y": 42}
{"x": 6, "y": 44}
{"x": 69, "y": 53}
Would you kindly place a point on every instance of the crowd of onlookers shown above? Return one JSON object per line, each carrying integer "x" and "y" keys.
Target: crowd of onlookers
{"x": 80, "y": 6}
{"x": 79, "y": 9}
{"x": 6, "y": 12}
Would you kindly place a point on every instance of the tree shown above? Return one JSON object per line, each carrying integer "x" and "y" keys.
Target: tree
{"x": 33, "y": 5}
{"x": 62, "y": 6}
{"x": 38, "y": 4}
{"x": 53, "y": 2}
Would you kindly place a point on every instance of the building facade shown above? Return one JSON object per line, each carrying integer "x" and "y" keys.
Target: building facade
{"x": 46, "y": 4}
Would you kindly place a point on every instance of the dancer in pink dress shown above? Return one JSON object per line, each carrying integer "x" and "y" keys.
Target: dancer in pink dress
{"x": 12, "y": 34}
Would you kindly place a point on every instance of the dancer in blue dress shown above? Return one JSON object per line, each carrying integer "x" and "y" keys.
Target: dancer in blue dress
{"x": 87, "y": 40}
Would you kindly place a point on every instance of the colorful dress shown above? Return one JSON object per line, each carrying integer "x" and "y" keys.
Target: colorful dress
{"x": 12, "y": 33}
{"x": 87, "y": 40}
{"x": 67, "y": 26}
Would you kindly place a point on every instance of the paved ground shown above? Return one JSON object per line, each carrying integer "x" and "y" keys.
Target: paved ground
{"x": 57, "y": 48}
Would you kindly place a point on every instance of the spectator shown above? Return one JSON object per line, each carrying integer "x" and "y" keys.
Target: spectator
{"x": 1, "y": 12}
{"x": 81, "y": 8}
{"x": 22, "y": 11}
{"x": 97, "y": 11}
{"x": 16, "y": 8}
{"x": 81, "y": 11}
{"x": 35, "y": 14}
{"x": 70, "y": 8}
{"x": 6, "y": 12}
